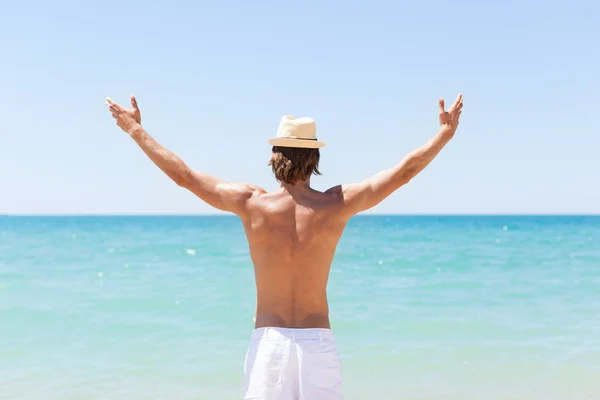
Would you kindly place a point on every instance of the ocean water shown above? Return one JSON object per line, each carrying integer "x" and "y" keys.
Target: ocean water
{"x": 494, "y": 307}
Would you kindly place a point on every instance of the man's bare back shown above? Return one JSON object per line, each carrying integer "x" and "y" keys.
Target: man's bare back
{"x": 292, "y": 232}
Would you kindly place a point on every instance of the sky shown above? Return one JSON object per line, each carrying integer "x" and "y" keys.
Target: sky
{"x": 214, "y": 78}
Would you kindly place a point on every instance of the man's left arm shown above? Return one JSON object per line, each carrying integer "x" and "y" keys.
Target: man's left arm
{"x": 362, "y": 196}
{"x": 231, "y": 197}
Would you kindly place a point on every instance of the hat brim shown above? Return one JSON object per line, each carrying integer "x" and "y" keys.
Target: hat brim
{"x": 298, "y": 143}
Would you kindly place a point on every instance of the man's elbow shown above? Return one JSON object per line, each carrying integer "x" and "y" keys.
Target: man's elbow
{"x": 407, "y": 174}
{"x": 181, "y": 178}
{"x": 405, "y": 179}
{"x": 179, "y": 181}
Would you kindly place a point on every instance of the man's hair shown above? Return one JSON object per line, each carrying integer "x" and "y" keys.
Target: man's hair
{"x": 291, "y": 164}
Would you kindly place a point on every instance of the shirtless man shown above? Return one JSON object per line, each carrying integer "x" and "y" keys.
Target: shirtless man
{"x": 292, "y": 235}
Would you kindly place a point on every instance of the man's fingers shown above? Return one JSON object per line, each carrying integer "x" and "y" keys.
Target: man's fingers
{"x": 457, "y": 105}
{"x": 457, "y": 102}
{"x": 115, "y": 110}
{"x": 442, "y": 110}
{"x": 134, "y": 103}
{"x": 110, "y": 102}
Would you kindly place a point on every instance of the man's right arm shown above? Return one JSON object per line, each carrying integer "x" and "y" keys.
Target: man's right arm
{"x": 223, "y": 195}
{"x": 216, "y": 192}
{"x": 358, "y": 197}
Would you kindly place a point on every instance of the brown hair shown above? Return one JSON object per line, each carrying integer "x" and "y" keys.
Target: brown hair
{"x": 291, "y": 164}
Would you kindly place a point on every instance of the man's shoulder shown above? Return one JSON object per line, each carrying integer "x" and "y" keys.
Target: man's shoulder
{"x": 254, "y": 190}
{"x": 334, "y": 191}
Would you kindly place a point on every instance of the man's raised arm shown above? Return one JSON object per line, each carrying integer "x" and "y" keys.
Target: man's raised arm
{"x": 361, "y": 196}
{"x": 225, "y": 196}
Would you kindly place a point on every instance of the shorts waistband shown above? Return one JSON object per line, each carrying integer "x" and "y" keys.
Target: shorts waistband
{"x": 292, "y": 333}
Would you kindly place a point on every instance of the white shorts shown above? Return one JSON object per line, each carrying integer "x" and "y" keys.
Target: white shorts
{"x": 292, "y": 364}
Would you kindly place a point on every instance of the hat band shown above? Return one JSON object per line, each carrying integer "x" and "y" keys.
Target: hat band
{"x": 294, "y": 137}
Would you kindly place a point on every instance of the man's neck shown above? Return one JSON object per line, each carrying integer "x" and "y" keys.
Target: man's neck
{"x": 298, "y": 186}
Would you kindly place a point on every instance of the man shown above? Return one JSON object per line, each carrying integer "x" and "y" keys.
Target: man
{"x": 292, "y": 234}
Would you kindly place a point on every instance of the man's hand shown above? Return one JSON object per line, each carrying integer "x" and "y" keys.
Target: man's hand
{"x": 127, "y": 119}
{"x": 449, "y": 119}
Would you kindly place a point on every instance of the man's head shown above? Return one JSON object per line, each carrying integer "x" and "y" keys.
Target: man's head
{"x": 292, "y": 165}
{"x": 295, "y": 150}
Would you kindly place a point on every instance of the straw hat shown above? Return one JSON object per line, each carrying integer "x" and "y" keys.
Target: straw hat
{"x": 297, "y": 132}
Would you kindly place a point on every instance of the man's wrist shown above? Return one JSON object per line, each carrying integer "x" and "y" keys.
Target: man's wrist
{"x": 447, "y": 132}
{"x": 135, "y": 131}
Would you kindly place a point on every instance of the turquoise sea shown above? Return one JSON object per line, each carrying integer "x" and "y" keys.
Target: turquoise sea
{"x": 477, "y": 307}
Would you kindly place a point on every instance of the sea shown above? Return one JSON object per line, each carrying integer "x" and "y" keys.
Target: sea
{"x": 422, "y": 307}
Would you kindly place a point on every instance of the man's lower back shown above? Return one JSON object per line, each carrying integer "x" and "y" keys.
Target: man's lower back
{"x": 273, "y": 319}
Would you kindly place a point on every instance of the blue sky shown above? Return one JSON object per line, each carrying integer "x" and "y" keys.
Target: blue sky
{"x": 213, "y": 79}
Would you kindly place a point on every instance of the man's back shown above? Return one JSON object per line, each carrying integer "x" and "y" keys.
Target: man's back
{"x": 292, "y": 234}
